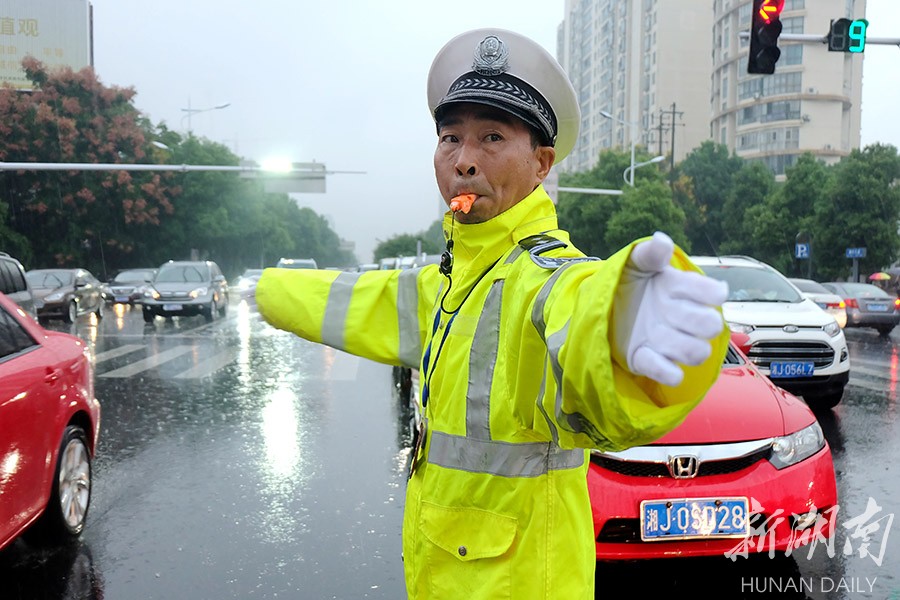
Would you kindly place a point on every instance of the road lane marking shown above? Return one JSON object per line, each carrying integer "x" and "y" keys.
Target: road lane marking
{"x": 861, "y": 383}
{"x": 120, "y": 351}
{"x": 209, "y": 366}
{"x": 148, "y": 363}
{"x": 878, "y": 374}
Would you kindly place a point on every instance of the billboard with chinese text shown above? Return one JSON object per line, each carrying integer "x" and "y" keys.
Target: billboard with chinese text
{"x": 56, "y": 32}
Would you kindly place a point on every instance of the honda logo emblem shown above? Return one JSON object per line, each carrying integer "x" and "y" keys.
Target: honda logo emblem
{"x": 684, "y": 467}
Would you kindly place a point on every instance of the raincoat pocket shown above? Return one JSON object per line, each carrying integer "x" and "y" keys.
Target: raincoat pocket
{"x": 467, "y": 552}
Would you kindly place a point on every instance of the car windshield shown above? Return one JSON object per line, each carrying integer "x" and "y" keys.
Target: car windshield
{"x": 864, "y": 290}
{"x": 753, "y": 284}
{"x": 134, "y": 275}
{"x": 183, "y": 274}
{"x": 49, "y": 279}
{"x": 297, "y": 263}
{"x": 810, "y": 287}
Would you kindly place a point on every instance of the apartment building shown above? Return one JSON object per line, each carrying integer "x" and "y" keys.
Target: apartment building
{"x": 674, "y": 74}
{"x": 812, "y": 103}
{"x": 646, "y": 64}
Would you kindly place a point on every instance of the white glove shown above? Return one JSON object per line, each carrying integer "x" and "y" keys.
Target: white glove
{"x": 663, "y": 316}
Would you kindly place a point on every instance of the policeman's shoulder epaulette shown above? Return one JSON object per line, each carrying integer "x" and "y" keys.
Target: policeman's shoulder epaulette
{"x": 537, "y": 244}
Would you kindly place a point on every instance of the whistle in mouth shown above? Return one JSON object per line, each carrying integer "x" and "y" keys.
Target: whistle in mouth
{"x": 462, "y": 202}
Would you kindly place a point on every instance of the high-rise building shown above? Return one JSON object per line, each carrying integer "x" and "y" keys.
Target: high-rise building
{"x": 812, "y": 103}
{"x": 674, "y": 74}
{"x": 646, "y": 64}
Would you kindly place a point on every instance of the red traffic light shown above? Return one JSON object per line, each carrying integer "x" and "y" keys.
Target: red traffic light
{"x": 769, "y": 10}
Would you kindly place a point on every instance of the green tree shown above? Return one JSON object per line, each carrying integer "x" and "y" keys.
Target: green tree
{"x": 711, "y": 169}
{"x": 645, "y": 209}
{"x": 751, "y": 185}
{"x": 404, "y": 244}
{"x": 586, "y": 216}
{"x": 862, "y": 210}
{"x": 787, "y": 216}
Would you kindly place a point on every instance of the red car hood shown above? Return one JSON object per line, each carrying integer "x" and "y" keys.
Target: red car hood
{"x": 741, "y": 405}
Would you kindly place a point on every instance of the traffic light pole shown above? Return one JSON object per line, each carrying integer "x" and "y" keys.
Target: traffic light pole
{"x": 823, "y": 39}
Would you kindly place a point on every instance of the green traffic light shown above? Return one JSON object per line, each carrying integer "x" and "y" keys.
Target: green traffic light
{"x": 857, "y": 35}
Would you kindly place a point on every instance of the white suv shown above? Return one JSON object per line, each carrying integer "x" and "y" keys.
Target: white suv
{"x": 792, "y": 340}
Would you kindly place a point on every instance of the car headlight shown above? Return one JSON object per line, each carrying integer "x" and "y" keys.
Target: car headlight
{"x": 740, "y": 327}
{"x": 55, "y": 296}
{"x": 790, "y": 449}
{"x": 202, "y": 291}
{"x": 149, "y": 292}
{"x": 832, "y": 328}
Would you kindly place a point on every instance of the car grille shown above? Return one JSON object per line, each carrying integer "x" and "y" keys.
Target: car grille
{"x": 625, "y": 531}
{"x": 706, "y": 468}
{"x": 173, "y": 295}
{"x": 763, "y": 353}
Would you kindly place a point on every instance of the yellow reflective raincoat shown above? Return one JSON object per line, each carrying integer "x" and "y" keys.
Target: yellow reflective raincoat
{"x": 517, "y": 378}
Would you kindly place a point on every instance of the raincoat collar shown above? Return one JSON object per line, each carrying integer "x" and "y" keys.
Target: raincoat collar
{"x": 476, "y": 246}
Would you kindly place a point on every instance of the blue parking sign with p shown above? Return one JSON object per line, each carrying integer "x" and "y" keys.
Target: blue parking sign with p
{"x": 801, "y": 250}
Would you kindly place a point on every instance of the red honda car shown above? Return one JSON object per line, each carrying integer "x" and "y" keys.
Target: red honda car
{"x": 749, "y": 471}
{"x": 50, "y": 422}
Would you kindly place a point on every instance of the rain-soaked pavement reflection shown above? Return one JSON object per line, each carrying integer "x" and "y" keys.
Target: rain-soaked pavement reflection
{"x": 237, "y": 461}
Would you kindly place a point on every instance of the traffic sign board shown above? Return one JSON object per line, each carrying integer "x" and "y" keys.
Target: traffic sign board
{"x": 856, "y": 252}
{"x": 801, "y": 250}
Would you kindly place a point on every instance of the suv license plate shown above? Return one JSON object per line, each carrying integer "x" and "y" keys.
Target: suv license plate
{"x": 172, "y": 307}
{"x": 694, "y": 518}
{"x": 791, "y": 369}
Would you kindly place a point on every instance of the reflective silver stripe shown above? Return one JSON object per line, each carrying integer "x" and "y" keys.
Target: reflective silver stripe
{"x": 574, "y": 422}
{"x": 482, "y": 358}
{"x": 335, "y": 319}
{"x": 514, "y": 255}
{"x": 554, "y": 434}
{"x": 505, "y": 459}
{"x": 408, "y": 318}
{"x": 537, "y": 311}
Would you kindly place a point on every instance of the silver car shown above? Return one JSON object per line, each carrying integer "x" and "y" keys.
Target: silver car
{"x": 825, "y": 298}
{"x": 186, "y": 288}
{"x": 868, "y": 305}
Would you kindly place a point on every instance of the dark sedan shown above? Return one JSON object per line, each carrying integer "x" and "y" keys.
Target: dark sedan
{"x": 127, "y": 287}
{"x": 867, "y": 305}
{"x": 65, "y": 293}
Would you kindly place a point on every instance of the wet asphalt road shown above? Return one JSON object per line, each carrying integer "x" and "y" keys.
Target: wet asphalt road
{"x": 237, "y": 461}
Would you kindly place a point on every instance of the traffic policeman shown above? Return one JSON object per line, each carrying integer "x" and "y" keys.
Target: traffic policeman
{"x": 529, "y": 353}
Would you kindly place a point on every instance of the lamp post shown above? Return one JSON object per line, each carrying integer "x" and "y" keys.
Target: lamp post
{"x": 632, "y": 127}
{"x": 192, "y": 111}
{"x": 630, "y": 170}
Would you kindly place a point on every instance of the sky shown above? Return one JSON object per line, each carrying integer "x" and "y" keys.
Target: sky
{"x": 343, "y": 83}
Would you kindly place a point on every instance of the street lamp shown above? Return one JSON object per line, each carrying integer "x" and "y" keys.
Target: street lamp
{"x": 633, "y": 127}
{"x": 630, "y": 170}
{"x": 192, "y": 111}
